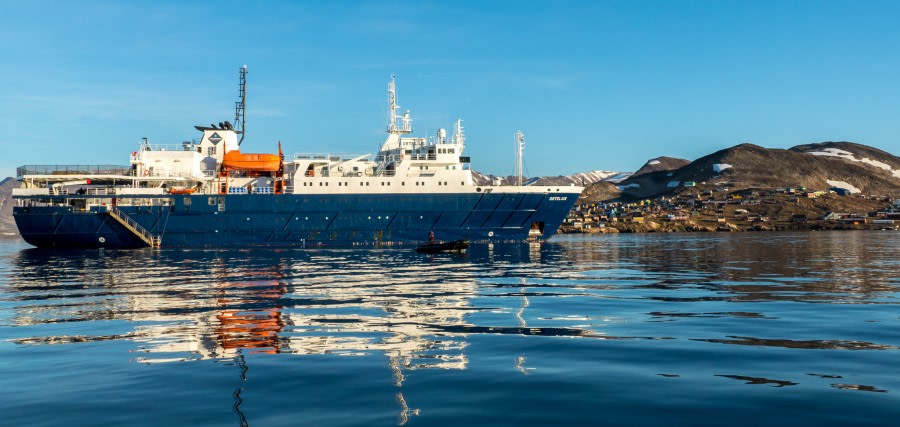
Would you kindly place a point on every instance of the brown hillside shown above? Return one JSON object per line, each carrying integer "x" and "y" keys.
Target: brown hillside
{"x": 753, "y": 166}
{"x": 7, "y": 224}
{"x": 661, "y": 164}
{"x": 599, "y": 192}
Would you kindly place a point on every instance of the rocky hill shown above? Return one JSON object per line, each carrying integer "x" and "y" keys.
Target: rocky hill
{"x": 581, "y": 178}
{"x": 7, "y": 224}
{"x": 855, "y": 167}
{"x": 661, "y": 164}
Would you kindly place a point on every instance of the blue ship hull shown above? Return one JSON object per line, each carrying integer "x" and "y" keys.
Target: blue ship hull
{"x": 302, "y": 220}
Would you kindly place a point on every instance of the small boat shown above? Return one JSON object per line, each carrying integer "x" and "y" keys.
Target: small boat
{"x": 181, "y": 190}
{"x": 454, "y": 246}
{"x": 236, "y": 160}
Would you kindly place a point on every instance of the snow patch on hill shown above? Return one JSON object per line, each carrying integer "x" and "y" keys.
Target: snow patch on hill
{"x": 719, "y": 167}
{"x": 625, "y": 187}
{"x": 653, "y": 162}
{"x": 846, "y": 155}
{"x": 621, "y": 176}
{"x": 599, "y": 175}
{"x": 844, "y": 185}
{"x": 673, "y": 184}
{"x": 579, "y": 179}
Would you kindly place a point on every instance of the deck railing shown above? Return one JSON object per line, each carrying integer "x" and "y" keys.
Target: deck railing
{"x": 134, "y": 227}
{"x": 21, "y": 171}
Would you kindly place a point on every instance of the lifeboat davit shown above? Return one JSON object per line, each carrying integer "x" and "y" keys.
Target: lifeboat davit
{"x": 235, "y": 160}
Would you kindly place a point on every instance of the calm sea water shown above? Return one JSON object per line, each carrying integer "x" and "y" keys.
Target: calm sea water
{"x": 699, "y": 329}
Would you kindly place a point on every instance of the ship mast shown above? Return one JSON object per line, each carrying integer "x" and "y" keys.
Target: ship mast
{"x": 459, "y": 137}
{"x": 240, "y": 107}
{"x": 520, "y": 145}
{"x": 406, "y": 125}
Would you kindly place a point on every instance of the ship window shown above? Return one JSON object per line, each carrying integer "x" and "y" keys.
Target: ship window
{"x": 452, "y": 150}
{"x": 211, "y": 151}
{"x": 403, "y": 183}
{"x": 212, "y": 201}
{"x": 320, "y": 184}
{"x": 187, "y": 201}
{"x": 367, "y": 183}
{"x": 462, "y": 183}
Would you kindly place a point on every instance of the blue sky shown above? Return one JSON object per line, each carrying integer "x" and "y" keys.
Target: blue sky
{"x": 592, "y": 84}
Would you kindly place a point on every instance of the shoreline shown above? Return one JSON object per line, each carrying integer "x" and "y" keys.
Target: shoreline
{"x": 654, "y": 227}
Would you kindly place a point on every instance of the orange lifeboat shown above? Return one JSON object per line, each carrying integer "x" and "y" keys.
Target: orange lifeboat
{"x": 181, "y": 190}
{"x": 235, "y": 160}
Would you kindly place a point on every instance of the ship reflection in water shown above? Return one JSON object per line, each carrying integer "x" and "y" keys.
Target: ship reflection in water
{"x": 215, "y": 305}
{"x": 733, "y": 297}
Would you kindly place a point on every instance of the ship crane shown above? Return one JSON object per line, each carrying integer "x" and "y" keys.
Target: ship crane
{"x": 240, "y": 106}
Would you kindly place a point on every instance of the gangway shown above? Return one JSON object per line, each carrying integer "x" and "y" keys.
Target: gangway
{"x": 132, "y": 226}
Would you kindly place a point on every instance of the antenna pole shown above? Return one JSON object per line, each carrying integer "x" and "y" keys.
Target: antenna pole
{"x": 520, "y": 145}
{"x": 240, "y": 107}
{"x": 392, "y": 98}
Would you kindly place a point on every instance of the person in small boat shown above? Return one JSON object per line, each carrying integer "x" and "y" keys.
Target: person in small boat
{"x": 431, "y": 237}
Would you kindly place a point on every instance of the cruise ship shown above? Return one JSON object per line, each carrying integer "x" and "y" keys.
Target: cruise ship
{"x": 209, "y": 193}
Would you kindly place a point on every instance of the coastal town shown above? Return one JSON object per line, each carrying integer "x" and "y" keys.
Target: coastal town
{"x": 706, "y": 208}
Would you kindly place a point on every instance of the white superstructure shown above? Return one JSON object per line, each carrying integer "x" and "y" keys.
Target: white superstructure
{"x": 404, "y": 164}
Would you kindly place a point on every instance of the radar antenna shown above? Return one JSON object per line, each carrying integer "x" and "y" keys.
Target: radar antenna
{"x": 240, "y": 107}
